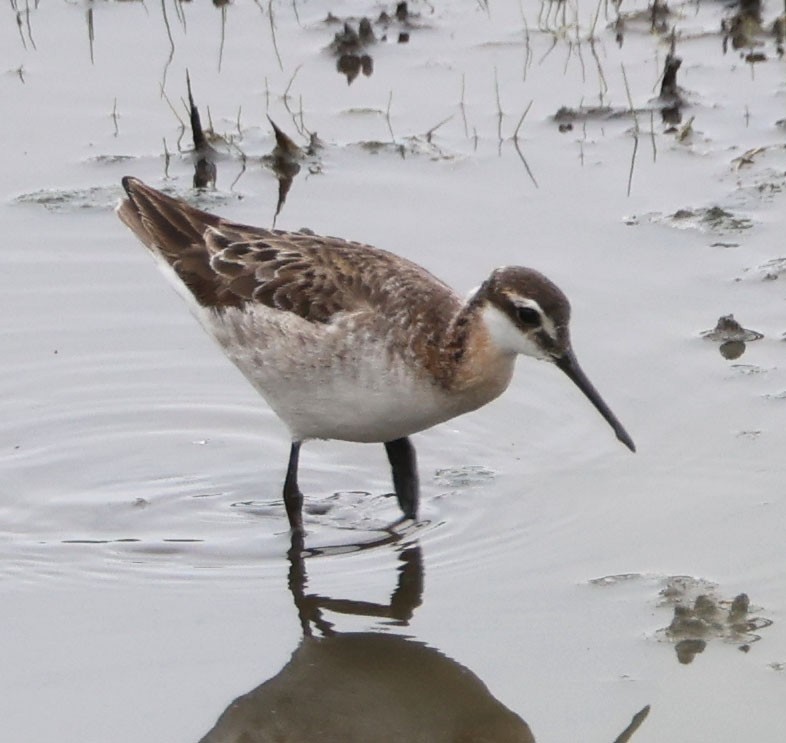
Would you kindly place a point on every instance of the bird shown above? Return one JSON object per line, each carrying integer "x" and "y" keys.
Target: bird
{"x": 351, "y": 342}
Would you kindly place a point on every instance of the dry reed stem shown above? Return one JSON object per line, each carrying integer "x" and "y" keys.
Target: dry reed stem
{"x": 549, "y": 50}
{"x": 115, "y": 117}
{"x": 90, "y": 33}
{"x": 299, "y": 121}
{"x": 500, "y": 115}
{"x": 518, "y": 149}
{"x": 180, "y": 13}
{"x": 635, "y": 129}
{"x": 19, "y": 28}
{"x": 581, "y": 61}
{"x": 428, "y": 134}
{"x": 272, "y": 21}
{"x": 286, "y": 93}
{"x": 604, "y": 86}
{"x": 28, "y": 25}
{"x": 387, "y": 118}
{"x": 171, "y": 44}
{"x": 462, "y": 107}
{"x": 297, "y": 13}
{"x": 167, "y": 158}
{"x": 177, "y": 116}
{"x": 223, "y": 36}
{"x": 528, "y": 53}
{"x": 240, "y": 172}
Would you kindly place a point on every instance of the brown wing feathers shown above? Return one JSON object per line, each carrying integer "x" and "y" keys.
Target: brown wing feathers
{"x": 175, "y": 231}
{"x": 225, "y": 264}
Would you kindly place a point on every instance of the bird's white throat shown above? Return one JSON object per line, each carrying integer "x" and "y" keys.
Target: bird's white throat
{"x": 507, "y": 336}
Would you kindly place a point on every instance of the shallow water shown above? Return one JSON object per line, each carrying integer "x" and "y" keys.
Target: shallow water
{"x": 145, "y": 576}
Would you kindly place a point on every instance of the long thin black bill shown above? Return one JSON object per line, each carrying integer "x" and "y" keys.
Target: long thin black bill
{"x": 570, "y": 366}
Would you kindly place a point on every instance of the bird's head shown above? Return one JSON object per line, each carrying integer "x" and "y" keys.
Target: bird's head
{"x": 525, "y": 313}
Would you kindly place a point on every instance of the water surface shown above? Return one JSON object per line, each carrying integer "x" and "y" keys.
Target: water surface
{"x": 147, "y": 573}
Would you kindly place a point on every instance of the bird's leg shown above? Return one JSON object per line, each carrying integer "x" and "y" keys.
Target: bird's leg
{"x": 293, "y": 498}
{"x": 403, "y": 462}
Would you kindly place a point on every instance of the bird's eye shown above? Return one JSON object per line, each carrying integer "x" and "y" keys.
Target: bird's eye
{"x": 528, "y": 316}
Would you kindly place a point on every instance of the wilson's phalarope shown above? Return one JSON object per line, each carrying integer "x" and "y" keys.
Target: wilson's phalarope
{"x": 346, "y": 341}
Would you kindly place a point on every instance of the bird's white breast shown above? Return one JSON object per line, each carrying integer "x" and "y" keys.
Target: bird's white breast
{"x": 340, "y": 380}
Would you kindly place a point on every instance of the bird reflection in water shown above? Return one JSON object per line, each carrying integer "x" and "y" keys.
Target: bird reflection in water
{"x": 367, "y": 687}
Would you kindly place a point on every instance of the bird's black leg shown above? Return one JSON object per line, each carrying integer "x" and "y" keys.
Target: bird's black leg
{"x": 293, "y": 498}
{"x": 403, "y": 461}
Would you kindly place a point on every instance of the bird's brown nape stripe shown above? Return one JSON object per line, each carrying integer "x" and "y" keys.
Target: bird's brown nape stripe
{"x": 505, "y": 284}
{"x": 456, "y": 342}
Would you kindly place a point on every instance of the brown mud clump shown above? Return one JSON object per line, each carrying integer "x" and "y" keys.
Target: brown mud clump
{"x": 700, "y": 616}
{"x": 352, "y": 44}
